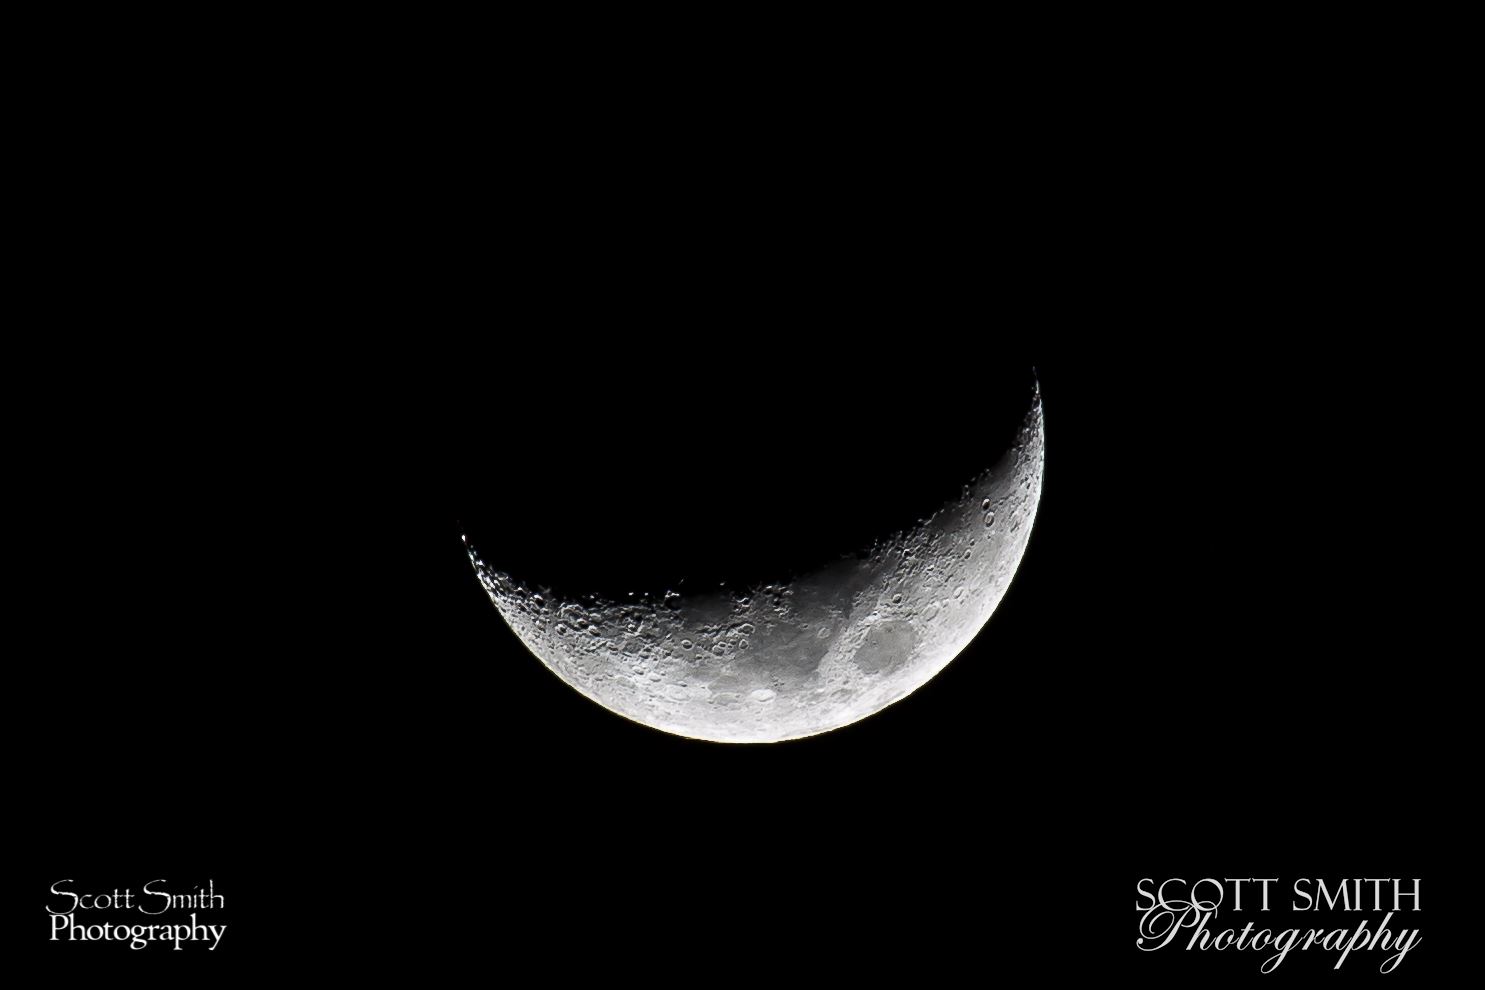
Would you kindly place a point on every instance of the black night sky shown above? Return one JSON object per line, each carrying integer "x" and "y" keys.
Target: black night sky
{"x": 255, "y": 400}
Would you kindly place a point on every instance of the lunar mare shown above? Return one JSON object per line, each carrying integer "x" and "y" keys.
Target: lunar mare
{"x": 799, "y": 657}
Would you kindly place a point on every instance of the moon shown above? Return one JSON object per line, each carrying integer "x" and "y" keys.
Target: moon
{"x": 800, "y": 657}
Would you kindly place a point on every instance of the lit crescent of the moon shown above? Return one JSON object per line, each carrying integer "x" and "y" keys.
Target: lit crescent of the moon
{"x": 800, "y": 657}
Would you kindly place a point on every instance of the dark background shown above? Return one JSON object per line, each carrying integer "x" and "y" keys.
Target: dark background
{"x": 1217, "y": 658}
{"x": 720, "y": 331}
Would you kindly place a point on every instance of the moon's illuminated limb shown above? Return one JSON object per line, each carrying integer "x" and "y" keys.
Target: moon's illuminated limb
{"x": 794, "y": 659}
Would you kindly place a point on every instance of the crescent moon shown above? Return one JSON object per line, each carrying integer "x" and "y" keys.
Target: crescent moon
{"x": 796, "y": 658}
